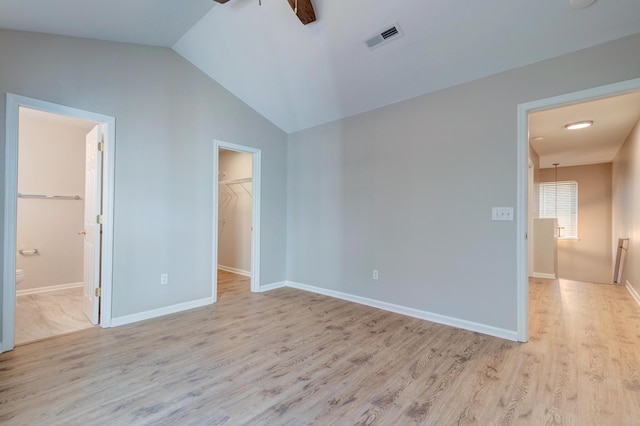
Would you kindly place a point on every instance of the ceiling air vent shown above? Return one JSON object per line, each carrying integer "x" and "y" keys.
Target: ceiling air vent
{"x": 384, "y": 36}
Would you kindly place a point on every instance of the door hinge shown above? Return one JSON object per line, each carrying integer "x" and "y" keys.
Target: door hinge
{"x": 526, "y": 235}
{"x": 99, "y": 219}
{"x": 99, "y": 292}
{"x": 101, "y": 144}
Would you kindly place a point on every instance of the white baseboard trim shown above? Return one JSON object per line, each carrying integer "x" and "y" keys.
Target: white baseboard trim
{"x": 235, "y": 270}
{"x": 543, "y": 275}
{"x": 272, "y": 286}
{"x": 416, "y": 313}
{"x": 48, "y": 288}
{"x": 154, "y": 313}
{"x": 633, "y": 292}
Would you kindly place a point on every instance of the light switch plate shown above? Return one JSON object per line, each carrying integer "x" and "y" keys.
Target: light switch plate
{"x": 502, "y": 213}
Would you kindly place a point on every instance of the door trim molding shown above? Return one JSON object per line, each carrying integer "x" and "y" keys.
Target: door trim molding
{"x": 13, "y": 103}
{"x": 522, "y": 307}
{"x": 255, "y": 212}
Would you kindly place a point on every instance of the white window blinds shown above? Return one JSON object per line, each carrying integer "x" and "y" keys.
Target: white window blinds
{"x": 560, "y": 200}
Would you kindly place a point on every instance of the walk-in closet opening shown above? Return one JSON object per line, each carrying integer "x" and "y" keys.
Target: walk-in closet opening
{"x": 235, "y": 193}
{"x": 236, "y": 198}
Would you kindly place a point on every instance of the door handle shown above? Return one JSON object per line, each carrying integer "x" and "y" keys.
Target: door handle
{"x": 83, "y": 232}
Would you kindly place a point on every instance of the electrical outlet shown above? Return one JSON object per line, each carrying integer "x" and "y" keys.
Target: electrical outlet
{"x": 375, "y": 274}
{"x": 164, "y": 279}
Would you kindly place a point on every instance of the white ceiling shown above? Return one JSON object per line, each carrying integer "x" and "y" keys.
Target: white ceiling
{"x": 300, "y": 76}
{"x": 154, "y": 22}
{"x": 613, "y": 119}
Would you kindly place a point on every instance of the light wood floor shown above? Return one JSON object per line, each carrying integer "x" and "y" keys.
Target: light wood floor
{"x": 44, "y": 315}
{"x": 288, "y": 357}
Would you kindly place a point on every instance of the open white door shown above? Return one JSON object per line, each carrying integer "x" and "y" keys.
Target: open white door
{"x": 92, "y": 208}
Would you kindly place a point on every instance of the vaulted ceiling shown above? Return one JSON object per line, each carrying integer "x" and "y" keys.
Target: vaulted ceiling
{"x": 299, "y": 76}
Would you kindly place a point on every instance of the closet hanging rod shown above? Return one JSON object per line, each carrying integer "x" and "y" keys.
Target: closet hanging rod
{"x": 49, "y": 197}
{"x": 240, "y": 182}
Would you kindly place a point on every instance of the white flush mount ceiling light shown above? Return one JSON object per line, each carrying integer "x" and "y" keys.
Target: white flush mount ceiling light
{"x": 579, "y": 125}
{"x": 581, "y": 4}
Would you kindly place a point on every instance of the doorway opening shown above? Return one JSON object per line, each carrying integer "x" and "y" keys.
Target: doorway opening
{"x": 58, "y": 229}
{"x": 236, "y": 197}
{"x": 524, "y": 207}
{"x": 52, "y": 199}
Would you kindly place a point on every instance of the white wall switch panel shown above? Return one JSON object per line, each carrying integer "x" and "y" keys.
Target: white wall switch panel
{"x": 502, "y": 213}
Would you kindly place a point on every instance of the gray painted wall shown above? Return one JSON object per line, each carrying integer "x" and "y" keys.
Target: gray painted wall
{"x": 626, "y": 204}
{"x": 408, "y": 189}
{"x": 167, "y": 116}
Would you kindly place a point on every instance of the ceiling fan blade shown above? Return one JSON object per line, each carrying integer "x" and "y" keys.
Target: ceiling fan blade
{"x": 306, "y": 14}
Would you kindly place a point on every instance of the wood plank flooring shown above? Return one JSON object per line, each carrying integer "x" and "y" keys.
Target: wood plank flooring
{"x": 44, "y": 315}
{"x": 288, "y": 357}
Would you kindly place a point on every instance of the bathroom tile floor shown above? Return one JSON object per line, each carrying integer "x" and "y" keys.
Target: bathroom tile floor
{"x": 43, "y": 315}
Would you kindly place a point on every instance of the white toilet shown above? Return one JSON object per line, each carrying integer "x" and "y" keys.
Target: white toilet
{"x": 19, "y": 276}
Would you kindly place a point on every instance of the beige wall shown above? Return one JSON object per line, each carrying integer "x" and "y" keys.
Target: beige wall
{"x": 626, "y": 204}
{"x": 533, "y": 177}
{"x": 534, "y": 198}
{"x": 535, "y": 158}
{"x": 234, "y": 212}
{"x": 545, "y": 249}
{"x": 51, "y": 161}
{"x": 589, "y": 257}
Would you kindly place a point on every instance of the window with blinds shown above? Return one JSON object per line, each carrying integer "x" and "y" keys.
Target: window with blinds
{"x": 560, "y": 200}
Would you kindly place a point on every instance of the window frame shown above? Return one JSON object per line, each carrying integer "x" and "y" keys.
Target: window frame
{"x": 546, "y": 212}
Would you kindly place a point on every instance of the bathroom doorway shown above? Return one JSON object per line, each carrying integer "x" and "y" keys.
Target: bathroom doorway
{"x": 50, "y": 224}
{"x": 236, "y": 260}
{"x": 58, "y": 233}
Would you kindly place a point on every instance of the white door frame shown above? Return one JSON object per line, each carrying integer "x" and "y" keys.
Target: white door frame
{"x": 522, "y": 181}
{"x": 255, "y": 212}
{"x": 530, "y": 235}
{"x": 13, "y": 103}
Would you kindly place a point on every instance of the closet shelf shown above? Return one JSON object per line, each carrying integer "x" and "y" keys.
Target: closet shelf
{"x": 240, "y": 182}
{"x": 50, "y": 197}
